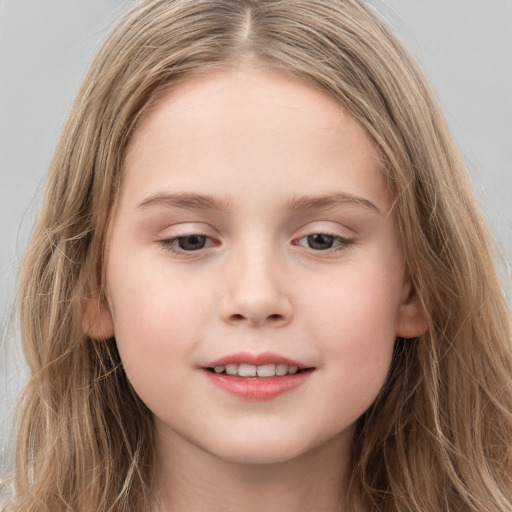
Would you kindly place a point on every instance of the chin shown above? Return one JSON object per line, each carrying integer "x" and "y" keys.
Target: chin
{"x": 263, "y": 450}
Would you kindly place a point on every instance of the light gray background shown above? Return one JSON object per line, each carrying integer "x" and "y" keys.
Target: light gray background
{"x": 46, "y": 46}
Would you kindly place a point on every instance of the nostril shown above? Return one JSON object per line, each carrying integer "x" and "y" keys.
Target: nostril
{"x": 276, "y": 317}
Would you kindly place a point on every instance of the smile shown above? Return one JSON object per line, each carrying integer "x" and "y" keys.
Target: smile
{"x": 250, "y": 370}
{"x": 257, "y": 377}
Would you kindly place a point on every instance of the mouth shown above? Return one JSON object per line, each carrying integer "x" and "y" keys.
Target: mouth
{"x": 257, "y": 377}
{"x": 251, "y": 370}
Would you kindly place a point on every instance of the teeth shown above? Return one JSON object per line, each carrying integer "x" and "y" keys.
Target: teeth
{"x": 281, "y": 369}
{"x": 232, "y": 369}
{"x": 266, "y": 370}
{"x": 246, "y": 370}
{"x": 250, "y": 370}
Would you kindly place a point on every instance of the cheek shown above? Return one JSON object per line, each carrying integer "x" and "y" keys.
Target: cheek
{"x": 364, "y": 300}
{"x": 354, "y": 325}
{"x": 156, "y": 321}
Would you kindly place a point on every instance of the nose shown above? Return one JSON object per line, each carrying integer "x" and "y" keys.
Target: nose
{"x": 256, "y": 293}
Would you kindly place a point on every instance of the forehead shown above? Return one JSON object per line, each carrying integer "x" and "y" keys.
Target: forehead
{"x": 247, "y": 127}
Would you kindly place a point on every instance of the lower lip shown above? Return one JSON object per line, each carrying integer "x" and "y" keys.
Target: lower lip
{"x": 258, "y": 388}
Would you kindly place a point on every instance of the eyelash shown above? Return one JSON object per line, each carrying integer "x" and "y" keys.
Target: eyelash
{"x": 171, "y": 244}
{"x": 343, "y": 243}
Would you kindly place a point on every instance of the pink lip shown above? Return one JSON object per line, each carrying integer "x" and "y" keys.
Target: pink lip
{"x": 256, "y": 388}
{"x": 254, "y": 359}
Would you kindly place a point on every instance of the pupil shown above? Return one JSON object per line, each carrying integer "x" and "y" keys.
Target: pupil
{"x": 320, "y": 241}
{"x": 192, "y": 242}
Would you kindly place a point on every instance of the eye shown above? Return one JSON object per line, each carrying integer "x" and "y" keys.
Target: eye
{"x": 191, "y": 242}
{"x": 323, "y": 242}
{"x": 187, "y": 243}
{"x": 320, "y": 241}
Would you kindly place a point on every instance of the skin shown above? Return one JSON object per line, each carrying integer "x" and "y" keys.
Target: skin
{"x": 257, "y": 142}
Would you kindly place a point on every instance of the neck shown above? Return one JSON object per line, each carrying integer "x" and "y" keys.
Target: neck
{"x": 192, "y": 480}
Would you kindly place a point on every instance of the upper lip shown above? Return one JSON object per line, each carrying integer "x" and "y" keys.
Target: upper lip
{"x": 254, "y": 359}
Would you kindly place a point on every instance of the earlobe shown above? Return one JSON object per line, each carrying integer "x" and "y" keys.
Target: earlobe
{"x": 412, "y": 318}
{"x": 97, "y": 320}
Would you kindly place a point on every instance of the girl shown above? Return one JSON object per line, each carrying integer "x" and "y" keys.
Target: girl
{"x": 260, "y": 279}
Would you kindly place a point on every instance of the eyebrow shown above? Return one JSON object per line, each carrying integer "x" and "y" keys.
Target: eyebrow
{"x": 311, "y": 202}
{"x": 192, "y": 201}
{"x": 187, "y": 201}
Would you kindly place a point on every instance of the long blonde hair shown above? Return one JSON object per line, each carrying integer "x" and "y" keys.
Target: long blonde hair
{"x": 439, "y": 436}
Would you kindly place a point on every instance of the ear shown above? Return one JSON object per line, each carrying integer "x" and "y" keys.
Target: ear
{"x": 412, "y": 319}
{"x": 97, "y": 320}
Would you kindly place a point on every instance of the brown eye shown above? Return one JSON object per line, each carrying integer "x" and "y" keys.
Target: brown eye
{"x": 191, "y": 242}
{"x": 320, "y": 241}
{"x": 324, "y": 242}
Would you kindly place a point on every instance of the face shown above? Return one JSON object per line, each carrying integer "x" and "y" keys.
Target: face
{"x": 255, "y": 278}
